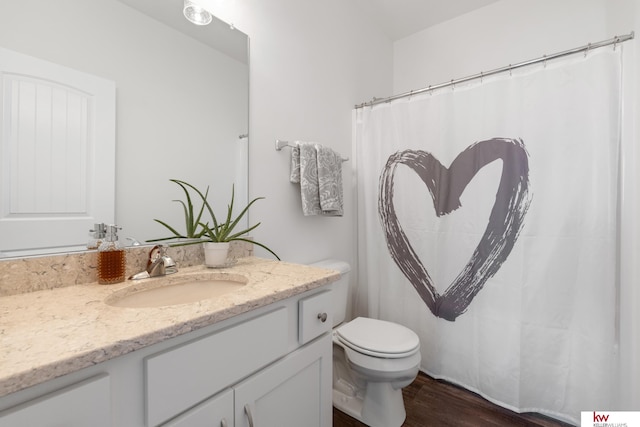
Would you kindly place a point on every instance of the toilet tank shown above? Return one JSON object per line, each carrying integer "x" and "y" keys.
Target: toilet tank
{"x": 339, "y": 288}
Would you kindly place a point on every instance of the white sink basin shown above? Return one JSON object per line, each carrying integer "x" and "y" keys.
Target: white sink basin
{"x": 181, "y": 291}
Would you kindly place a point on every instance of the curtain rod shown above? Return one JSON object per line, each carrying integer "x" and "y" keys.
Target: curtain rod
{"x": 613, "y": 41}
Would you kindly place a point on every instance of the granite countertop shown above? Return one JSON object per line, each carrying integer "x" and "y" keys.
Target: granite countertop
{"x": 50, "y": 333}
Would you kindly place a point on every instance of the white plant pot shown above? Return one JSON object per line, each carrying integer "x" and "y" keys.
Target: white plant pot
{"x": 216, "y": 254}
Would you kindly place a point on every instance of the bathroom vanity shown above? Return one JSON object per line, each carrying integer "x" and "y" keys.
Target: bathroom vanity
{"x": 260, "y": 355}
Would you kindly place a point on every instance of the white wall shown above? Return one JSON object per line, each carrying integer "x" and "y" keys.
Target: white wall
{"x": 311, "y": 62}
{"x": 506, "y": 32}
{"x": 511, "y": 31}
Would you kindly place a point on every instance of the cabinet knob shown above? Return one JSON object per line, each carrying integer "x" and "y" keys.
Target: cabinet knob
{"x": 322, "y": 317}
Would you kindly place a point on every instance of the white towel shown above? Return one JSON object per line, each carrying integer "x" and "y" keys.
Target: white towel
{"x": 318, "y": 170}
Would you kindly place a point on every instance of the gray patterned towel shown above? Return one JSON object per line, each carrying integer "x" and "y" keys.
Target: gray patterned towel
{"x": 295, "y": 163}
{"x": 330, "y": 181}
{"x": 318, "y": 170}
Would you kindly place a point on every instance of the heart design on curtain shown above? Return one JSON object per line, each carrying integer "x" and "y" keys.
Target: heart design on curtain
{"x": 445, "y": 186}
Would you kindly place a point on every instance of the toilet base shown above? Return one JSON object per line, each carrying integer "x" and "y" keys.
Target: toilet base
{"x": 383, "y": 406}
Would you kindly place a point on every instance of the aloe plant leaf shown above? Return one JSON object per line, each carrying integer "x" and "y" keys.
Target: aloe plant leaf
{"x": 204, "y": 200}
{"x": 184, "y": 243}
{"x": 230, "y": 210}
{"x": 191, "y": 225}
{"x": 240, "y": 233}
{"x": 219, "y": 231}
{"x": 210, "y": 233}
{"x": 244, "y": 211}
{"x": 259, "y": 244}
{"x": 226, "y": 227}
{"x": 187, "y": 217}
{"x": 173, "y": 230}
{"x": 193, "y": 241}
{"x": 197, "y": 221}
{"x": 162, "y": 239}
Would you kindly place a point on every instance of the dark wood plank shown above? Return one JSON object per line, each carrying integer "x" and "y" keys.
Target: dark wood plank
{"x": 431, "y": 402}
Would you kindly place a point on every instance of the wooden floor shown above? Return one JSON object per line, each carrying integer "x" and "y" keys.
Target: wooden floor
{"x": 432, "y": 402}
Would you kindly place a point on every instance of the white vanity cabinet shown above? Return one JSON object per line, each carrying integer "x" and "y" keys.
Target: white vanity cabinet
{"x": 295, "y": 390}
{"x": 182, "y": 377}
{"x": 83, "y": 404}
{"x": 290, "y": 392}
{"x": 267, "y": 367}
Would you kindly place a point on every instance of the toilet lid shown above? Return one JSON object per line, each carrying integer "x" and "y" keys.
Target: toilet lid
{"x": 378, "y": 338}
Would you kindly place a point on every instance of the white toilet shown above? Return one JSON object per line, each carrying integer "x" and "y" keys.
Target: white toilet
{"x": 372, "y": 360}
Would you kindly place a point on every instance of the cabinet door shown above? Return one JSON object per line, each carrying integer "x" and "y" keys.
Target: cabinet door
{"x": 295, "y": 391}
{"x": 215, "y": 412}
{"x": 85, "y": 404}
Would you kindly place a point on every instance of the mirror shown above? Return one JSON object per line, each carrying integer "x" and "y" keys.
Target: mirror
{"x": 182, "y": 98}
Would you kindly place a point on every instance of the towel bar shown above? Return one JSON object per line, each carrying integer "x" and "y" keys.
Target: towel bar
{"x": 280, "y": 144}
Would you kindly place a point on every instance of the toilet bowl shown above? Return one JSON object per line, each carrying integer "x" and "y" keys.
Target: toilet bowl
{"x": 372, "y": 361}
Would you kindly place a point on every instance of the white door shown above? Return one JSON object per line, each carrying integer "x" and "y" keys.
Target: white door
{"x": 57, "y": 154}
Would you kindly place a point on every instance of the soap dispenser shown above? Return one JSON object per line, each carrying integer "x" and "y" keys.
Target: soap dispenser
{"x": 111, "y": 258}
{"x": 97, "y": 236}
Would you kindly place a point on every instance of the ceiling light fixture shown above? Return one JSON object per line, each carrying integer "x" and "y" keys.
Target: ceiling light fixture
{"x": 196, "y": 14}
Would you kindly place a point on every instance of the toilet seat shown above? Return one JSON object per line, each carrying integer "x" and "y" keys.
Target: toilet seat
{"x": 378, "y": 338}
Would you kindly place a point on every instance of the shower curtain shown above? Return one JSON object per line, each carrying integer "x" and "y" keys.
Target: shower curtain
{"x": 488, "y": 224}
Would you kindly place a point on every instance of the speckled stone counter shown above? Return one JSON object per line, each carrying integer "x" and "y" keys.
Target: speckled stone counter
{"x": 36, "y": 273}
{"x": 50, "y": 333}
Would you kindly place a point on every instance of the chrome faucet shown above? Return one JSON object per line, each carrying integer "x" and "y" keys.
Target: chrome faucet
{"x": 161, "y": 264}
{"x": 158, "y": 264}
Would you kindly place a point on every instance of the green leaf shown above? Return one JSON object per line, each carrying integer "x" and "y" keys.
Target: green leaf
{"x": 176, "y": 234}
{"x": 240, "y": 233}
{"x": 261, "y": 245}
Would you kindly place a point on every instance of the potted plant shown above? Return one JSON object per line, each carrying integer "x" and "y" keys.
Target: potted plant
{"x": 216, "y": 235}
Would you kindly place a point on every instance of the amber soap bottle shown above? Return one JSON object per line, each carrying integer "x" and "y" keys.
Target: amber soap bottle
{"x": 111, "y": 258}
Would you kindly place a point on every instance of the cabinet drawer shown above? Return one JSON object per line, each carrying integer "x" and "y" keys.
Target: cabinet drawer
{"x": 84, "y": 404}
{"x": 182, "y": 377}
{"x": 315, "y": 316}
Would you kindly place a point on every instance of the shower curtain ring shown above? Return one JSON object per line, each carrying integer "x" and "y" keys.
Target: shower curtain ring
{"x": 510, "y": 71}
{"x": 453, "y": 85}
{"x": 481, "y": 76}
{"x": 586, "y": 51}
{"x": 615, "y": 42}
{"x": 430, "y": 91}
{"x": 545, "y": 61}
